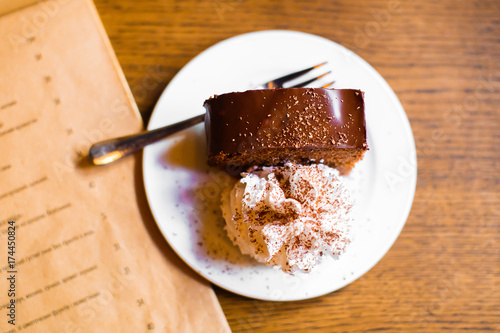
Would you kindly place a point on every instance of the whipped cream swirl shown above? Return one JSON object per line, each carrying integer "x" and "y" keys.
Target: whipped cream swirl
{"x": 289, "y": 216}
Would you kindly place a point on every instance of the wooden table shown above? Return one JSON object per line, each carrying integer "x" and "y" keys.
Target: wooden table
{"x": 442, "y": 58}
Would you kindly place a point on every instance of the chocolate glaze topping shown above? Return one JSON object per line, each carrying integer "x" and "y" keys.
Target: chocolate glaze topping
{"x": 285, "y": 118}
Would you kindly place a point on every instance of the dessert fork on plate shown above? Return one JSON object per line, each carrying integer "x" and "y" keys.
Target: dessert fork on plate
{"x": 112, "y": 150}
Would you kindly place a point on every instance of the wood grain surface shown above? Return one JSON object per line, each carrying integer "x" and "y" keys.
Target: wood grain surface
{"x": 442, "y": 58}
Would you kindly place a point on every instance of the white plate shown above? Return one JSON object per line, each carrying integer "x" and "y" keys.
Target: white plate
{"x": 183, "y": 192}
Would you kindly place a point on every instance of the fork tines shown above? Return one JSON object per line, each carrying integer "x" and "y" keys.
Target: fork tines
{"x": 279, "y": 82}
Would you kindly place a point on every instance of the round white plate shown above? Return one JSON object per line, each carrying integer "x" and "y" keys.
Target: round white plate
{"x": 183, "y": 192}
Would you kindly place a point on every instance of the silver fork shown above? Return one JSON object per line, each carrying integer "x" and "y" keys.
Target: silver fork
{"x": 112, "y": 150}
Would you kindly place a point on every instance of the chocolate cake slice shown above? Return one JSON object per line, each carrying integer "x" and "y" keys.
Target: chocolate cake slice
{"x": 274, "y": 126}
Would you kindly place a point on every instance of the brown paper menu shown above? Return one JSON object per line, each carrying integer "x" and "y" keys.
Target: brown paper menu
{"x": 79, "y": 251}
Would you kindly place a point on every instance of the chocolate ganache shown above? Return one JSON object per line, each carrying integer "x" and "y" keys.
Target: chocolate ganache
{"x": 274, "y": 126}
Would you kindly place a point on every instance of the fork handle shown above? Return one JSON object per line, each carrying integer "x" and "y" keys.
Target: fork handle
{"x": 109, "y": 151}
